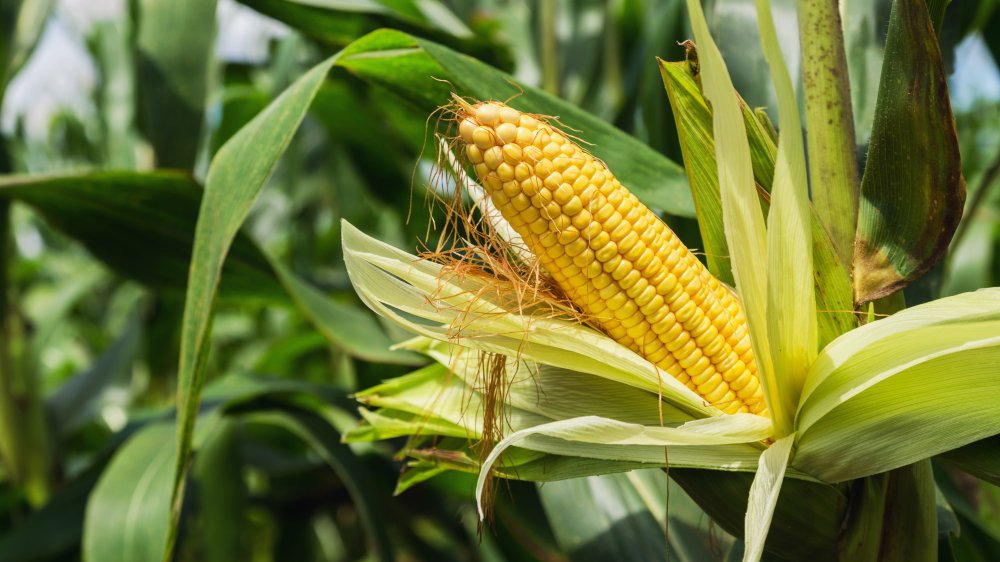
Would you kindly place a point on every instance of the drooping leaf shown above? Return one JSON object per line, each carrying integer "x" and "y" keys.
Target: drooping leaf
{"x": 425, "y": 73}
{"x": 912, "y": 192}
{"x": 173, "y": 73}
{"x": 141, "y": 225}
{"x": 903, "y": 388}
{"x": 235, "y": 178}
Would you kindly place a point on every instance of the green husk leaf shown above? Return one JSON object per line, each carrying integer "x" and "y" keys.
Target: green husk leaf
{"x": 418, "y": 295}
{"x": 742, "y": 216}
{"x": 913, "y": 192}
{"x": 693, "y": 117}
{"x": 764, "y": 496}
{"x": 903, "y": 388}
{"x": 593, "y": 430}
{"x": 791, "y": 304}
{"x": 834, "y": 297}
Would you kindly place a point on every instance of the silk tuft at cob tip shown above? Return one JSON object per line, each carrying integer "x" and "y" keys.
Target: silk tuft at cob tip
{"x": 613, "y": 258}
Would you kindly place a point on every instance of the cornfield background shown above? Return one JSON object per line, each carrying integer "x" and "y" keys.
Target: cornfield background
{"x": 112, "y": 114}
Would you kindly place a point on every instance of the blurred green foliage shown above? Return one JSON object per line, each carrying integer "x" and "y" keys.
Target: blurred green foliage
{"x": 99, "y": 205}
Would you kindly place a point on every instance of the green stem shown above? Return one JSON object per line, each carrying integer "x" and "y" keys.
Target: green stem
{"x": 833, "y": 167}
{"x": 24, "y": 441}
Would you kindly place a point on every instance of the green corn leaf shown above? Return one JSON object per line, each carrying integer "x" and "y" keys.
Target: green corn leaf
{"x": 141, "y": 225}
{"x": 426, "y": 73}
{"x": 346, "y": 326}
{"x": 807, "y": 519}
{"x": 235, "y": 178}
{"x": 222, "y": 495}
{"x": 912, "y": 193}
{"x": 172, "y": 75}
{"x": 903, "y": 388}
{"x": 627, "y": 517}
{"x": 324, "y": 440}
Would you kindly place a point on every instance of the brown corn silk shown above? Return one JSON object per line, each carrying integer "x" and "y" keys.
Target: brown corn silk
{"x": 614, "y": 259}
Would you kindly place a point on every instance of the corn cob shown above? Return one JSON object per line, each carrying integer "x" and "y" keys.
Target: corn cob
{"x": 611, "y": 256}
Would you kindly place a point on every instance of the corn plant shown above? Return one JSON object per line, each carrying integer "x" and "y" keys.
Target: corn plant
{"x": 728, "y": 387}
{"x": 640, "y": 318}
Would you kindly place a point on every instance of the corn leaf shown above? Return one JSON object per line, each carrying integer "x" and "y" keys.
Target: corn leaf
{"x": 418, "y": 295}
{"x": 426, "y": 73}
{"x": 172, "y": 75}
{"x": 807, "y": 519}
{"x": 555, "y": 392}
{"x": 235, "y": 178}
{"x": 627, "y": 516}
{"x": 134, "y": 489}
{"x": 141, "y": 225}
{"x": 912, "y": 192}
{"x": 791, "y": 303}
{"x": 764, "y": 496}
{"x": 743, "y": 219}
{"x": 903, "y": 388}
{"x": 325, "y": 442}
{"x": 346, "y": 326}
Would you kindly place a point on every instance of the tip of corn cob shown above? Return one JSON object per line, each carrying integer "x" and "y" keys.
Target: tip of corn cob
{"x": 614, "y": 259}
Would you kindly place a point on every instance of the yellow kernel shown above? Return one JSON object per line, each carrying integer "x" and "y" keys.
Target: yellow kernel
{"x": 573, "y": 207}
{"x": 482, "y": 137}
{"x": 493, "y": 156}
{"x": 506, "y": 172}
{"x": 563, "y": 194}
{"x": 465, "y": 129}
{"x": 520, "y": 202}
{"x": 507, "y": 132}
{"x": 510, "y": 115}
{"x": 606, "y": 251}
{"x": 487, "y": 114}
{"x": 511, "y": 189}
{"x": 512, "y": 154}
{"x": 475, "y": 155}
{"x": 532, "y": 154}
{"x": 584, "y": 220}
